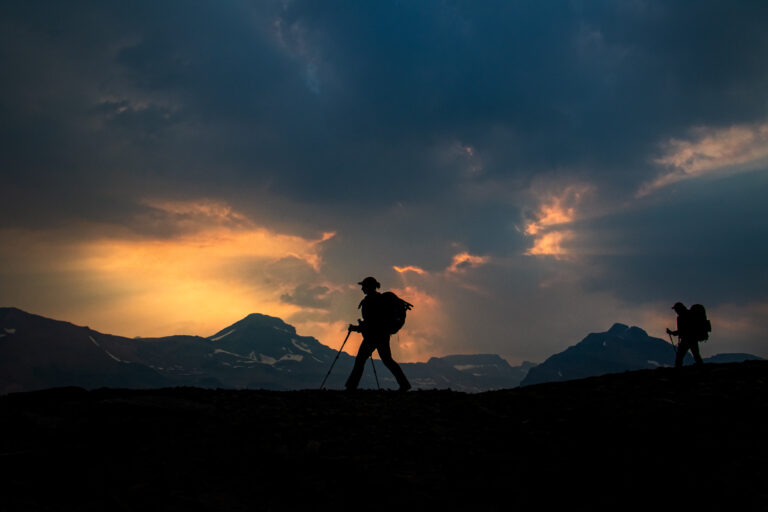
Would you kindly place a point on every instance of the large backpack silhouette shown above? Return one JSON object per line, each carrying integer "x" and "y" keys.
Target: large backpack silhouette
{"x": 700, "y": 324}
{"x": 396, "y": 309}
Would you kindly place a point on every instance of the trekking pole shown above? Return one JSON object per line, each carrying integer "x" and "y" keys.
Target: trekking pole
{"x": 349, "y": 331}
{"x": 674, "y": 347}
{"x": 374, "y": 373}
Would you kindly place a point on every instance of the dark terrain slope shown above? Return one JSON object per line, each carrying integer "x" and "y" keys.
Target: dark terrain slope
{"x": 651, "y": 438}
{"x": 257, "y": 352}
{"x": 620, "y": 349}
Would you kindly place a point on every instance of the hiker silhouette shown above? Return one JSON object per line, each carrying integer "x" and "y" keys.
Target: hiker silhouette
{"x": 687, "y": 332}
{"x": 376, "y": 334}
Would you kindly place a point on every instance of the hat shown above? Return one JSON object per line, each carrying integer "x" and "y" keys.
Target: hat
{"x": 678, "y": 305}
{"x": 370, "y": 281}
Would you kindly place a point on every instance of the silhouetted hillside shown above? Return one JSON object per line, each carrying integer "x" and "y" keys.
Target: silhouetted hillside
{"x": 257, "y": 352}
{"x": 656, "y": 439}
{"x": 620, "y": 349}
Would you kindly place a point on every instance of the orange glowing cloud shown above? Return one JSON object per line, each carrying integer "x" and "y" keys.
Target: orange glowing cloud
{"x": 410, "y": 268}
{"x": 551, "y": 244}
{"x": 554, "y": 211}
{"x": 557, "y": 209}
{"x": 201, "y": 251}
{"x": 460, "y": 263}
{"x": 463, "y": 261}
{"x": 737, "y": 148}
{"x": 550, "y": 215}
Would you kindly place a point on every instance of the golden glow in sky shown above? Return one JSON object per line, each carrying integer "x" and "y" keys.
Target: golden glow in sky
{"x": 213, "y": 271}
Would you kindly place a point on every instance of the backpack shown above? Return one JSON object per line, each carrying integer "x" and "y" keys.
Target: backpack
{"x": 700, "y": 325}
{"x": 396, "y": 308}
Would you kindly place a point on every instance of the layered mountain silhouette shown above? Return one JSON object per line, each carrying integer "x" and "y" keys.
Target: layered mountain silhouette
{"x": 621, "y": 348}
{"x": 258, "y": 352}
{"x": 264, "y": 352}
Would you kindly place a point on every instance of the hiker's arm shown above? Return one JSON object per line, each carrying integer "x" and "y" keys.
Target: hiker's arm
{"x": 673, "y": 333}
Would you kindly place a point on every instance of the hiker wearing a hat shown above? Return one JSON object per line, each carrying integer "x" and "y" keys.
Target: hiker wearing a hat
{"x": 375, "y": 330}
{"x": 685, "y": 330}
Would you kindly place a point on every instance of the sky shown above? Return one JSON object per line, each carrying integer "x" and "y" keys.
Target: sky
{"x": 523, "y": 172}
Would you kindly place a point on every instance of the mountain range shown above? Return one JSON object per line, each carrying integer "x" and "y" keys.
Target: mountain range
{"x": 264, "y": 352}
{"x": 257, "y": 352}
{"x": 620, "y": 349}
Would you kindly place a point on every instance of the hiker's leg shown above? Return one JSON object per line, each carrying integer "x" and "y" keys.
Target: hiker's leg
{"x": 696, "y": 353}
{"x": 363, "y": 353}
{"x": 682, "y": 348}
{"x": 385, "y": 353}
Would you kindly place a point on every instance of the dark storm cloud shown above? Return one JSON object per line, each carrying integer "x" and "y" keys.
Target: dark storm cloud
{"x": 327, "y": 101}
{"x": 315, "y": 297}
{"x": 706, "y": 243}
{"x": 414, "y": 130}
{"x": 580, "y": 85}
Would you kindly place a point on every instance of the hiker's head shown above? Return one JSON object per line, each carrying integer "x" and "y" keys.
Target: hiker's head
{"x": 679, "y": 307}
{"x": 369, "y": 284}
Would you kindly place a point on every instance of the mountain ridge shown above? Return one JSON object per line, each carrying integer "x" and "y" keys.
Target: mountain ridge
{"x": 257, "y": 352}
{"x": 621, "y": 348}
{"x": 264, "y": 352}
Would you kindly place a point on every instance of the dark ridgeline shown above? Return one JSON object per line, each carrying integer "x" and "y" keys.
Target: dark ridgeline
{"x": 621, "y": 348}
{"x": 257, "y": 352}
{"x": 263, "y": 352}
{"x": 612, "y": 441}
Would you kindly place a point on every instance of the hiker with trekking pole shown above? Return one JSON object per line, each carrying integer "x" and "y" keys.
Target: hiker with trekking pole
{"x": 692, "y": 327}
{"x": 383, "y": 315}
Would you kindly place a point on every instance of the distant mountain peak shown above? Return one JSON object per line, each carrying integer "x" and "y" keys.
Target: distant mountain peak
{"x": 255, "y": 321}
{"x": 626, "y": 332}
{"x": 621, "y": 348}
{"x": 266, "y": 320}
{"x": 617, "y": 329}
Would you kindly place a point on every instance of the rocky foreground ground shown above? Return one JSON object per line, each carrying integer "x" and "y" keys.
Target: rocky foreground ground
{"x": 659, "y": 438}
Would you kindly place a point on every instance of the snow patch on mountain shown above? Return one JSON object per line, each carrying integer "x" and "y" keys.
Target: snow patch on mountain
{"x": 250, "y": 358}
{"x": 292, "y": 357}
{"x": 110, "y": 354}
{"x": 10, "y": 331}
{"x": 253, "y": 357}
{"x": 217, "y": 338}
{"x": 301, "y": 346}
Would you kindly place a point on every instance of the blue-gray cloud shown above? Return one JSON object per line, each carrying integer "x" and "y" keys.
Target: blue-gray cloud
{"x": 315, "y": 297}
{"x": 415, "y": 130}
